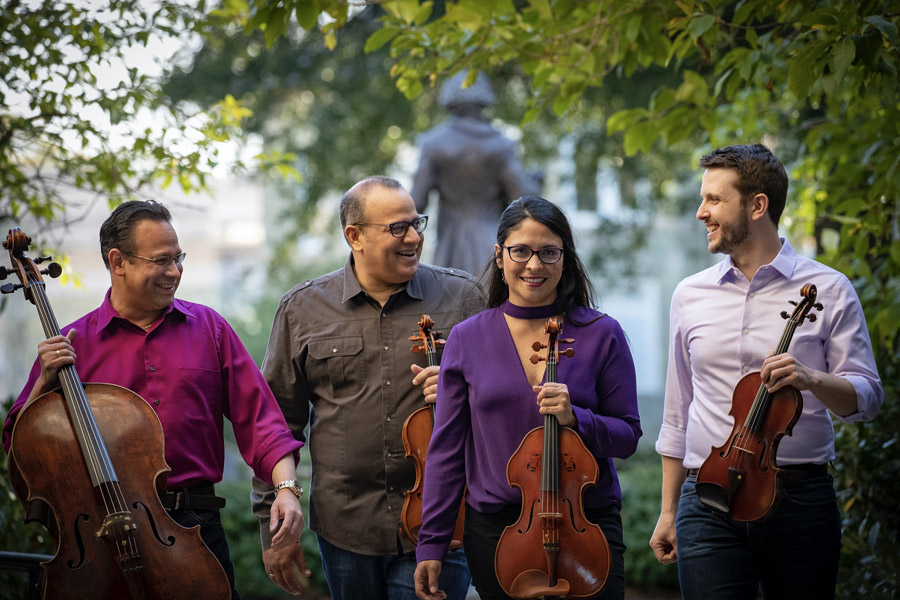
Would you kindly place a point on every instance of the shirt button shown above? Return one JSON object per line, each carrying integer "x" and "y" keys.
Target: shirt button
{"x": 746, "y": 368}
{"x": 388, "y": 454}
{"x": 388, "y": 419}
{"x": 334, "y": 350}
{"x": 152, "y": 369}
{"x": 388, "y": 382}
{"x": 156, "y": 402}
{"x": 746, "y": 332}
{"x": 391, "y": 488}
{"x": 383, "y": 315}
{"x": 386, "y": 348}
{"x": 753, "y": 294}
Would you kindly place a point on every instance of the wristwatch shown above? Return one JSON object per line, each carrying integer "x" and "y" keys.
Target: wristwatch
{"x": 291, "y": 484}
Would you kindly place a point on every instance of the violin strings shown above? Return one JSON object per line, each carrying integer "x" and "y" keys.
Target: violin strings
{"x": 762, "y": 401}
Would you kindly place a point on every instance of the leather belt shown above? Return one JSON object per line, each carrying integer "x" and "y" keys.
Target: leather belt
{"x": 197, "y": 497}
{"x": 793, "y": 473}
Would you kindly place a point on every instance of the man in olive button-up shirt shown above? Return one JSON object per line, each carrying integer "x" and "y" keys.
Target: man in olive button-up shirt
{"x": 340, "y": 346}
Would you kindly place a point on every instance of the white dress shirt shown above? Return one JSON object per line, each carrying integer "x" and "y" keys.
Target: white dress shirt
{"x": 722, "y": 327}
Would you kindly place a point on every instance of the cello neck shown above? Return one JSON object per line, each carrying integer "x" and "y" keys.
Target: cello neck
{"x": 550, "y": 463}
{"x": 93, "y": 448}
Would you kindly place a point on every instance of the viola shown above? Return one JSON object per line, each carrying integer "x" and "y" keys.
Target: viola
{"x": 416, "y": 434}
{"x": 93, "y": 456}
{"x": 740, "y": 478}
{"x": 552, "y": 550}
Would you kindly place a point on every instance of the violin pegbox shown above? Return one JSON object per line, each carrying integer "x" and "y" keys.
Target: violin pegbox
{"x": 806, "y": 304}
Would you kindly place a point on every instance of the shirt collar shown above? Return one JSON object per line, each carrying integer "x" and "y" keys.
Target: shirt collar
{"x": 107, "y": 313}
{"x": 784, "y": 263}
{"x": 352, "y": 288}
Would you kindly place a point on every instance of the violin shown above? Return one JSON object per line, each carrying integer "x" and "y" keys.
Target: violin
{"x": 94, "y": 456}
{"x": 740, "y": 478}
{"x": 552, "y": 550}
{"x": 416, "y": 434}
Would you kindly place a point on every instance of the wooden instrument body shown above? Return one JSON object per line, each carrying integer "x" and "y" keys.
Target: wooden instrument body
{"x": 416, "y": 438}
{"x": 171, "y": 557}
{"x": 582, "y": 569}
{"x": 740, "y": 478}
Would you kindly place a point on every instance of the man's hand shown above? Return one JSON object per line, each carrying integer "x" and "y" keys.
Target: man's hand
{"x": 426, "y": 579}
{"x": 286, "y": 517}
{"x": 428, "y": 379}
{"x": 783, "y": 370}
{"x": 285, "y": 566}
{"x": 663, "y": 541}
{"x": 53, "y": 354}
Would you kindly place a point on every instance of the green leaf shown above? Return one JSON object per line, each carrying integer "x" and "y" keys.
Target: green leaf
{"x": 803, "y": 72}
{"x": 887, "y": 29}
{"x": 842, "y": 54}
{"x": 624, "y": 119}
{"x": 640, "y": 137}
{"x": 380, "y": 38}
{"x": 308, "y": 14}
{"x": 700, "y": 25}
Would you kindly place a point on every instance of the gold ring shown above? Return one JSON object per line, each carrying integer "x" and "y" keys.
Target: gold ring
{"x": 57, "y": 354}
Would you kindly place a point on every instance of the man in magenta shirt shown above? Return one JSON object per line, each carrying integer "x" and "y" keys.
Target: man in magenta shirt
{"x": 187, "y": 363}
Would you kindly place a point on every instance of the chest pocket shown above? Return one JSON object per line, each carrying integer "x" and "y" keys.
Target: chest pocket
{"x": 343, "y": 363}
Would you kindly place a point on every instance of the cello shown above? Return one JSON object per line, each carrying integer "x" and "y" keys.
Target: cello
{"x": 416, "y": 437}
{"x": 94, "y": 456}
{"x": 552, "y": 550}
{"x": 740, "y": 478}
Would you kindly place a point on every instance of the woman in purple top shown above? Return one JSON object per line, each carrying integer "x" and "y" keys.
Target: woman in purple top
{"x": 490, "y": 396}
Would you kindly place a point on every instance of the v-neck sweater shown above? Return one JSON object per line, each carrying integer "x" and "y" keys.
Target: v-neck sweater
{"x": 485, "y": 407}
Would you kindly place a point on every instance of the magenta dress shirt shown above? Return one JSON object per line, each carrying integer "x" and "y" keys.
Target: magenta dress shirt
{"x": 193, "y": 370}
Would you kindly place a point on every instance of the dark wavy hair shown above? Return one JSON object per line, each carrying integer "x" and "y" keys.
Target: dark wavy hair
{"x": 574, "y": 288}
{"x": 758, "y": 171}
{"x": 117, "y": 230}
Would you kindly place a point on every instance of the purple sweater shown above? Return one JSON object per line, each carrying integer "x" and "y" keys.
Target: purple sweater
{"x": 486, "y": 406}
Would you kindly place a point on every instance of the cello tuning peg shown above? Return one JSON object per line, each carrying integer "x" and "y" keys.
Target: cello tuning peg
{"x": 794, "y": 302}
{"x": 565, "y": 340}
{"x": 53, "y": 270}
{"x": 416, "y": 348}
{"x": 818, "y": 306}
{"x": 568, "y": 353}
{"x": 537, "y": 346}
{"x": 535, "y": 359}
{"x": 4, "y": 272}
{"x": 414, "y": 338}
{"x": 784, "y": 315}
{"x": 41, "y": 259}
{"x": 9, "y": 288}
{"x": 437, "y": 333}
{"x": 440, "y": 342}
{"x": 811, "y": 317}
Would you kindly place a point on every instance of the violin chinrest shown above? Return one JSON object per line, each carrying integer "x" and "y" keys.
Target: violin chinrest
{"x": 536, "y": 584}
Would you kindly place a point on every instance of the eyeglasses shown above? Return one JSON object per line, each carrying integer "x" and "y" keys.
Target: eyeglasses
{"x": 399, "y": 229}
{"x": 522, "y": 254}
{"x": 161, "y": 261}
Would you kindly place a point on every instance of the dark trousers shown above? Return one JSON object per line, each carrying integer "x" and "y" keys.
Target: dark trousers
{"x": 482, "y": 534}
{"x": 213, "y": 534}
{"x": 792, "y": 555}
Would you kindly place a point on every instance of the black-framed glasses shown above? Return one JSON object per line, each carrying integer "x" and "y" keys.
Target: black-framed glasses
{"x": 522, "y": 254}
{"x": 399, "y": 229}
{"x": 161, "y": 261}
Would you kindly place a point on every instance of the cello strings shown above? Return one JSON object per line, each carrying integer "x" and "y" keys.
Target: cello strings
{"x": 82, "y": 416}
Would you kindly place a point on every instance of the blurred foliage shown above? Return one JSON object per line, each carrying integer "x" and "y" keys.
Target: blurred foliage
{"x": 639, "y": 478}
{"x": 71, "y": 99}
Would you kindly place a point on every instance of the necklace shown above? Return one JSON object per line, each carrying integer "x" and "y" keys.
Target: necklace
{"x": 529, "y": 312}
{"x": 147, "y": 326}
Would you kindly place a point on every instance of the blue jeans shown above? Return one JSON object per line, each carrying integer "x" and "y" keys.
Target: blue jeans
{"x": 793, "y": 554}
{"x": 353, "y": 576}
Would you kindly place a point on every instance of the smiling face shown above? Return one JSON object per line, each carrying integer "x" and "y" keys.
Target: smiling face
{"x": 382, "y": 262}
{"x": 141, "y": 289}
{"x": 727, "y": 218}
{"x": 531, "y": 283}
